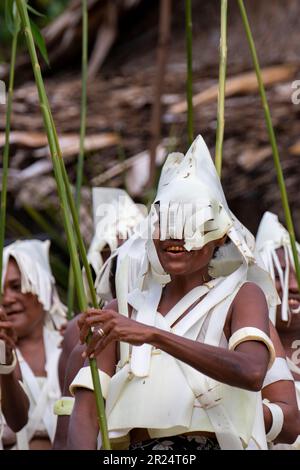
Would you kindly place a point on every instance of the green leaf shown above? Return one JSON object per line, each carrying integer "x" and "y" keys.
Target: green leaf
{"x": 35, "y": 12}
{"x": 40, "y": 42}
{"x": 9, "y": 16}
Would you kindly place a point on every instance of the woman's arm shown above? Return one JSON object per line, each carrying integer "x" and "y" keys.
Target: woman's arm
{"x": 83, "y": 427}
{"x": 245, "y": 367}
{"x": 14, "y": 401}
{"x": 70, "y": 339}
{"x": 283, "y": 394}
{"x": 74, "y": 364}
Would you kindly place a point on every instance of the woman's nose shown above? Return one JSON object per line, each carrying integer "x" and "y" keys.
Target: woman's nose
{"x": 7, "y": 298}
{"x": 293, "y": 284}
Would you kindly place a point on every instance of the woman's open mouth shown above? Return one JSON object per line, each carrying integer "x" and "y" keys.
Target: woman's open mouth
{"x": 294, "y": 305}
{"x": 14, "y": 314}
{"x": 175, "y": 251}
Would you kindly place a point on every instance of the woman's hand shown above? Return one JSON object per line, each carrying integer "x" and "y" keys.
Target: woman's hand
{"x": 109, "y": 326}
{"x": 8, "y": 335}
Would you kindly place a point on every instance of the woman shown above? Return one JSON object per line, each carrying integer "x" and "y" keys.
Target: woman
{"x": 274, "y": 248}
{"x": 32, "y": 306}
{"x": 116, "y": 217}
{"x": 191, "y": 341}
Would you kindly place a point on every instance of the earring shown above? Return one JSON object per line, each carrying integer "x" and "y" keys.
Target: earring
{"x": 211, "y": 271}
{"x": 204, "y": 280}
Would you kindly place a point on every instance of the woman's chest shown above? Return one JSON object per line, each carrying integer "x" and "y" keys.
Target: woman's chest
{"x": 35, "y": 357}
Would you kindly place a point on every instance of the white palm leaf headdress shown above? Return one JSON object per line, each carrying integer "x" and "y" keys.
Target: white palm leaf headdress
{"x": 271, "y": 236}
{"x": 32, "y": 258}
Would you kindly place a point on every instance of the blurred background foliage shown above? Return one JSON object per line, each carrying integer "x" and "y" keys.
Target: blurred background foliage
{"x": 49, "y": 8}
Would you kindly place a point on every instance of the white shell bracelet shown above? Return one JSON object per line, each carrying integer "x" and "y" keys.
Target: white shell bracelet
{"x": 9, "y": 368}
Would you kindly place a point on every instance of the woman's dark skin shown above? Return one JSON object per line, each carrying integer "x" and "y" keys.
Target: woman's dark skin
{"x": 244, "y": 368}
{"x": 14, "y": 401}
{"x": 25, "y": 317}
{"x": 74, "y": 364}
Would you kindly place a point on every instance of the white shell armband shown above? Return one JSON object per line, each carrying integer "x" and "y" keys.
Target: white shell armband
{"x": 277, "y": 420}
{"x": 279, "y": 371}
{"x": 64, "y": 406}
{"x": 84, "y": 380}
{"x": 8, "y": 369}
{"x": 249, "y": 333}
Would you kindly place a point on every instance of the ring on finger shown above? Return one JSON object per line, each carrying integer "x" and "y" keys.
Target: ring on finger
{"x": 100, "y": 332}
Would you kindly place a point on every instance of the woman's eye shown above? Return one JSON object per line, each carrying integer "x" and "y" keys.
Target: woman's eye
{"x": 16, "y": 286}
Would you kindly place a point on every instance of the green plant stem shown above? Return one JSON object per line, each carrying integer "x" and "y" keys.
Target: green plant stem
{"x": 6, "y": 146}
{"x": 189, "y": 81}
{"x": 272, "y": 137}
{"x": 58, "y": 165}
{"x": 60, "y": 269}
{"x": 222, "y": 82}
{"x": 83, "y": 112}
{"x": 76, "y": 225}
{"x": 70, "y": 294}
{"x": 44, "y": 225}
{"x": 16, "y": 227}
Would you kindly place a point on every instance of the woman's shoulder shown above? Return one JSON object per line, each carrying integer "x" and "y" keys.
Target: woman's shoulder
{"x": 249, "y": 291}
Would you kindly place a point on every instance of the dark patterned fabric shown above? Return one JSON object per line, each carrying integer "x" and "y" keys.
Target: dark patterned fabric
{"x": 179, "y": 443}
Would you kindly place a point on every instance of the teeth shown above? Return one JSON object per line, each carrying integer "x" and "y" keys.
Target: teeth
{"x": 294, "y": 306}
{"x": 295, "y": 310}
{"x": 175, "y": 248}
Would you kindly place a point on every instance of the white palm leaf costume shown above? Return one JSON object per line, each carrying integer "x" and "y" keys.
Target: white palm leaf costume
{"x": 152, "y": 389}
{"x": 115, "y": 218}
{"x": 32, "y": 258}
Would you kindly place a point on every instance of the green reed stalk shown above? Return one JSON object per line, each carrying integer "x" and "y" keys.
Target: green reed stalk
{"x": 6, "y": 146}
{"x": 221, "y": 94}
{"x": 58, "y": 165}
{"x": 272, "y": 137}
{"x": 44, "y": 225}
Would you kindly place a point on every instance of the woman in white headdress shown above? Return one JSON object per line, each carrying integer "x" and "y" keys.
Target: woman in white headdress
{"x": 193, "y": 335}
{"x": 32, "y": 306}
{"x": 116, "y": 217}
{"x": 273, "y": 248}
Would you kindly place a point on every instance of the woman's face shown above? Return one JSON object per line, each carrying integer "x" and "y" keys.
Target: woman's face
{"x": 23, "y": 310}
{"x": 176, "y": 260}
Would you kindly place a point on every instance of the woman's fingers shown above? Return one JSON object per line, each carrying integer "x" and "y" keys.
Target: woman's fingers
{"x": 93, "y": 317}
{"x": 101, "y": 345}
{"x": 6, "y": 327}
{"x": 98, "y": 335}
{"x": 102, "y": 336}
{"x": 3, "y": 316}
{"x": 86, "y": 328}
{"x": 6, "y": 324}
{"x": 8, "y": 341}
